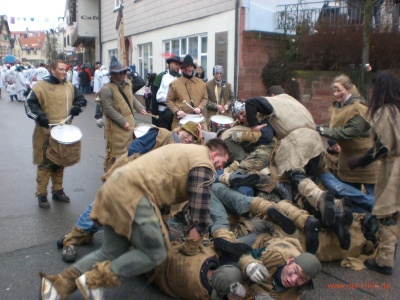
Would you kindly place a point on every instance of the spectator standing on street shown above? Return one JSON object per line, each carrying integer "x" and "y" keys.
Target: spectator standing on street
{"x": 84, "y": 81}
{"x": 51, "y": 101}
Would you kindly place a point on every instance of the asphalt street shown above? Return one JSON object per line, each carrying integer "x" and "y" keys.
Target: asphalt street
{"x": 28, "y": 234}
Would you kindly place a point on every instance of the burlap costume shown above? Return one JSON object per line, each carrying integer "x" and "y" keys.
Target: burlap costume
{"x": 275, "y": 255}
{"x": 56, "y": 101}
{"x": 185, "y": 277}
{"x": 117, "y": 138}
{"x": 184, "y": 89}
{"x": 164, "y": 137}
{"x": 160, "y": 175}
{"x": 218, "y": 95}
{"x": 295, "y": 128}
{"x": 387, "y": 192}
{"x": 353, "y": 147}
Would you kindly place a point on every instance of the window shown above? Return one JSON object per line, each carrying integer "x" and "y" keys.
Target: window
{"x": 112, "y": 52}
{"x": 196, "y": 46}
{"x": 68, "y": 41}
{"x": 117, "y": 3}
{"x": 145, "y": 59}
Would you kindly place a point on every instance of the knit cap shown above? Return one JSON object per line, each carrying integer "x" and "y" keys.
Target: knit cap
{"x": 309, "y": 263}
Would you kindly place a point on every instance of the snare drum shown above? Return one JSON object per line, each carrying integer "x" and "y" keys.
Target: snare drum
{"x": 195, "y": 118}
{"x": 64, "y": 145}
{"x": 141, "y": 130}
{"x": 218, "y": 122}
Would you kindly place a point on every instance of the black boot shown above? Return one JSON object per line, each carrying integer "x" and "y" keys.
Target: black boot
{"x": 43, "y": 203}
{"x": 60, "y": 196}
{"x": 282, "y": 191}
{"x": 372, "y": 265}
{"x": 231, "y": 250}
{"x": 311, "y": 231}
{"x": 281, "y": 220}
{"x": 342, "y": 231}
{"x": 238, "y": 179}
{"x": 370, "y": 226}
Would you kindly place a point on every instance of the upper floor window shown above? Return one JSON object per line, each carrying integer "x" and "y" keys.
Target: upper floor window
{"x": 196, "y": 46}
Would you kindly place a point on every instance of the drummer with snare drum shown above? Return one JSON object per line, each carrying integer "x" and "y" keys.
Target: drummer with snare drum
{"x": 220, "y": 97}
{"x": 51, "y": 101}
{"x": 187, "y": 94}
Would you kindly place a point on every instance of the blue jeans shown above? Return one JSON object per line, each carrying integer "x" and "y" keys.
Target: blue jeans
{"x": 224, "y": 200}
{"x": 245, "y": 190}
{"x": 84, "y": 222}
{"x": 361, "y": 202}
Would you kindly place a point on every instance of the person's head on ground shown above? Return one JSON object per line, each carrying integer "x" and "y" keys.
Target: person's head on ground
{"x": 219, "y": 153}
{"x": 300, "y": 270}
{"x": 117, "y": 71}
{"x": 218, "y": 73}
{"x": 386, "y": 91}
{"x": 58, "y": 69}
{"x": 275, "y": 90}
{"x": 188, "y": 133}
{"x": 239, "y": 111}
{"x": 333, "y": 145}
{"x": 342, "y": 87}
{"x": 188, "y": 66}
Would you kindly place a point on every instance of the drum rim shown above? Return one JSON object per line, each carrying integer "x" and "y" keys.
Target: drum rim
{"x": 223, "y": 117}
{"x": 69, "y": 126}
{"x": 190, "y": 116}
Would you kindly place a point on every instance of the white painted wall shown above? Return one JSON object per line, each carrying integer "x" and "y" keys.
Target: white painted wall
{"x": 210, "y": 25}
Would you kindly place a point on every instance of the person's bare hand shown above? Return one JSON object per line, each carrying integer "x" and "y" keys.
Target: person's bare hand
{"x": 143, "y": 112}
{"x": 197, "y": 111}
{"x": 200, "y": 136}
{"x": 126, "y": 126}
{"x": 258, "y": 127}
{"x": 180, "y": 114}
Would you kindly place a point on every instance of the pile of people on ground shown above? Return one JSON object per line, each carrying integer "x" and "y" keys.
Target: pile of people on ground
{"x": 246, "y": 211}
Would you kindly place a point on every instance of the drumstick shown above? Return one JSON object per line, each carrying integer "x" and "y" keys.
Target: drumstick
{"x": 188, "y": 104}
{"x": 184, "y": 102}
{"x": 153, "y": 116}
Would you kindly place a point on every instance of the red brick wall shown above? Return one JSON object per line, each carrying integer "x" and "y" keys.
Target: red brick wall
{"x": 255, "y": 50}
{"x": 316, "y": 93}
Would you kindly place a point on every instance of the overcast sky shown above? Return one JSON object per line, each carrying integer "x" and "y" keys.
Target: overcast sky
{"x": 39, "y": 10}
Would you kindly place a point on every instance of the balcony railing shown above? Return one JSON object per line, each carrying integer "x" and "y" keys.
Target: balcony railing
{"x": 290, "y": 17}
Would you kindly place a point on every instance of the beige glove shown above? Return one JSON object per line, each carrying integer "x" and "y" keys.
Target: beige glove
{"x": 191, "y": 246}
{"x": 245, "y": 136}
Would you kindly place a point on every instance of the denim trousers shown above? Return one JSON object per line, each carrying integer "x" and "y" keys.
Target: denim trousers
{"x": 223, "y": 201}
{"x": 130, "y": 257}
{"x": 361, "y": 202}
{"x": 85, "y": 223}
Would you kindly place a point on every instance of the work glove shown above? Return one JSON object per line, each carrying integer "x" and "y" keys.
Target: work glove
{"x": 257, "y": 272}
{"x": 43, "y": 121}
{"x": 100, "y": 123}
{"x": 245, "y": 136}
{"x": 237, "y": 290}
{"x": 191, "y": 247}
{"x": 75, "y": 111}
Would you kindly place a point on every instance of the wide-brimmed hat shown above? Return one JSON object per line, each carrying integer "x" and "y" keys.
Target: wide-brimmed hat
{"x": 188, "y": 61}
{"x": 116, "y": 66}
{"x": 191, "y": 127}
{"x": 174, "y": 58}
